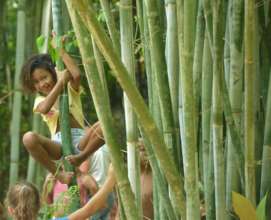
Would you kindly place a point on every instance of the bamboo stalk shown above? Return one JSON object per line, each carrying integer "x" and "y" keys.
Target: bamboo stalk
{"x": 17, "y": 97}
{"x": 144, "y": 118}
{"x": 206, "y": 106}
{"x": 197, "y": 65}
{"x": 114, "y": 35}
{"x": 160, "y": 72}
{"x": 188, "y": 132}
{"x": 104, "y": 114}
{"x": 235, "y": 90}
{"x": 217, "y": 126}
{"x": 249, "y": 131}
{"x": 127, "y": 56}
{"x": 45, "y": 26}
{"x": 173, "y": 69}
{"x": 64, "y": 116}
{"x": 266, "y": 161}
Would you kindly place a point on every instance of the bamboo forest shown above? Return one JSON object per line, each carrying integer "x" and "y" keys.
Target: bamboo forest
{"x": 135, "y": 109}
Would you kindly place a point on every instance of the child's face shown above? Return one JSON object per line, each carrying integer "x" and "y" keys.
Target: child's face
{"x": 43, "y": 81}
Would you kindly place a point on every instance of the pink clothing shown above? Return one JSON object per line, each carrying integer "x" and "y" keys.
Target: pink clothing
{"x": 58, "y": 189}
{"x": 61, "y": 188}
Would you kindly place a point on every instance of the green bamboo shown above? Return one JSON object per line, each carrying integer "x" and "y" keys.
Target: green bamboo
{"x": 154, "y": 107}
{"x": 258, "y": 110}
{"x": 64, "y": 102}
{"x": 144, "y": 118}
{"x": 173, "y": 68}
{"x": 127, "y": 56}
{"x": 206, "y": 104}
{"x": 249, "y": 132}
{"x": 104, "y": 114}
{"x": 180, "y": 24}
{"x": 45, "y": 25}
{"x": 109, "y": 19}
{"x": 235, "y": 90}
{"x": 209, "y": 20}
{"x": 227, "y": 55}
{"x": 217, "y": 109}
{"x": 197, "y": 64}
{"x": 17, "y": 97}
{"x": 160, "y": 82}
{"x": 266, "y": 12}
{"x": 160, "y": 72}
{"x": 189, "y": 143}
{"x": 266, "y": 161}
{"x": 161, "y": 186}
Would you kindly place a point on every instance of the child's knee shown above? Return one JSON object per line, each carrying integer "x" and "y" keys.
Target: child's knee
{"x": 29, "y": 139}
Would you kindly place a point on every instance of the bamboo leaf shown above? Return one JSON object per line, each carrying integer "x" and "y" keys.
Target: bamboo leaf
{"x": 260, "y": 211}
{"x": 40, "y": 42}
{"x": 243, "y": 207}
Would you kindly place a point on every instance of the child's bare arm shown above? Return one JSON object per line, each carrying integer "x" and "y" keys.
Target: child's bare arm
{"x": 98, "y": 200}
{"x": 72, "y": 67}
{"x": 45, "y": 106}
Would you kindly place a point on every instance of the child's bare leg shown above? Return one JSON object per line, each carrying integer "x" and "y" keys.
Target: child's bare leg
{"x": 44, "y": 151}
{"x": 92, "y": 141}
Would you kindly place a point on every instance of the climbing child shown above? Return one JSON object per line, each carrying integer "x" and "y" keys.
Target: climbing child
{"x": 39, "y": 76}
{"x": 23, "y": 201}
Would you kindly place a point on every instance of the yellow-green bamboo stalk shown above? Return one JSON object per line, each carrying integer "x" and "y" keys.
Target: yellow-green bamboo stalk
{"x": 197, "y": 64}
{"x": 127, "y": 57}
{"x": 207, "y": 153}
{"x": 109, "y": 19}
{"x": 45, "y": 25}
{"x": 173, "y": 69}
{"x": 104, "y": 113}
{"x": 189, "y": 143}
{"x": 160, "y": 72}
{"x": 218, "y": 151}
{"x": 266, "y": 161}
{"x": 235, "y": 89}
{"x": 64, "y": 115}
{"x": 208, "y": 20}
{"x": 144, "y": 117}
{"x": 17, "y": 97}
{"x": 249, "y": 132}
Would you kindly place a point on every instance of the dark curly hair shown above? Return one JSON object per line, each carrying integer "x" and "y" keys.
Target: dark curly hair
{"x": 42, "y": 61}
{"x": 24, "y": 199}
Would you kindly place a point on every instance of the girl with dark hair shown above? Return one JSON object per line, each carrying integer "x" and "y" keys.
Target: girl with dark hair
{"x": 38, "y": 75}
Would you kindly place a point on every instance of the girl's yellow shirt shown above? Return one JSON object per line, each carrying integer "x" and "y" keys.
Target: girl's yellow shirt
{"x": 75, "y": 108}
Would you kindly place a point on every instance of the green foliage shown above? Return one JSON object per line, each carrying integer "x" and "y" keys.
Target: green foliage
{"x": 40, "y": 41}
{"x": 65, "y": 204}
{"x": 245, "y": 210}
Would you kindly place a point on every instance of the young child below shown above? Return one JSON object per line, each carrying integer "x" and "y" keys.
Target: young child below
{"x": 97, "y": 202}
{"x": 91, "y": 176}
{"x": 23, "y": 201}
{"x": 39, "y": 76}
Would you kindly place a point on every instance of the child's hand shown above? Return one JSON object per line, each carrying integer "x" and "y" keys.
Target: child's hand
{"x": 64, "y": 76}
{"x": 57, "y": 42}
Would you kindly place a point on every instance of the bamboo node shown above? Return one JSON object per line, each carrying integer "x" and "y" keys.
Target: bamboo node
{"x": 124, "y": 6}
{"x": 170, "y": 2}
{"x": 249, "y": 61}
{"x": 123, "y": 184}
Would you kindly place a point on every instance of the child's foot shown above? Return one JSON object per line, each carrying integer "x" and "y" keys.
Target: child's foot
{"x": 65, "y": 177}
{"x": 75, "y": 160}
